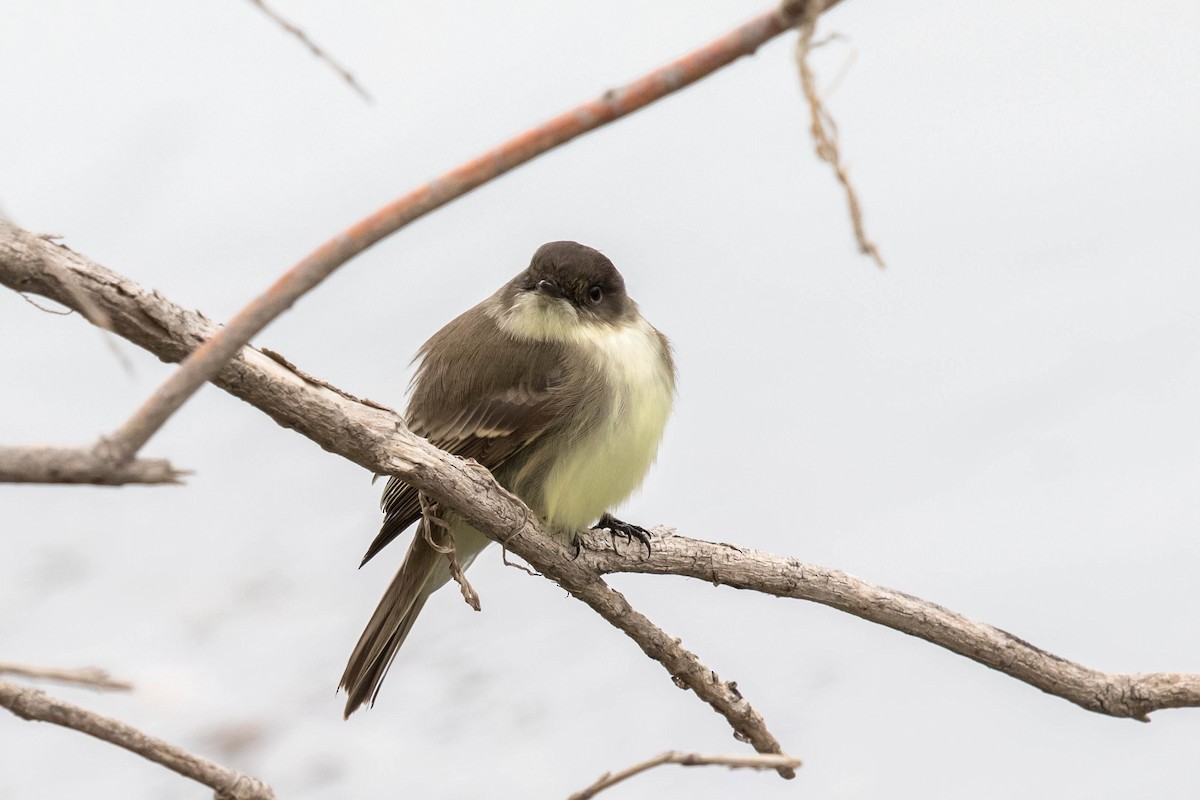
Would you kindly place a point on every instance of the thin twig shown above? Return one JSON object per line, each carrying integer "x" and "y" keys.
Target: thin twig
{"x": 516, "y": 531}
{"x": 523, "y": 567}
{"x": 824, "y": 129}
{"x": 844, "y": 70}
{"x": 688, "y": 760}
{"x": 207, "y": 360}
{"x": 66, "y": 312}
{"x": 36, "y": 705}
{"x": 431, "y": 520}
{"x": 91, "y": 677}
{"x": 346, "y": 75}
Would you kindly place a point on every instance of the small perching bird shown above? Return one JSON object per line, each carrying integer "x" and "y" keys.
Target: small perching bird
{"x": 559, "y": 386}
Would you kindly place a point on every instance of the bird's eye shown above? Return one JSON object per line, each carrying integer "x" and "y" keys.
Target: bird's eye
{"x": 595, "y": 294}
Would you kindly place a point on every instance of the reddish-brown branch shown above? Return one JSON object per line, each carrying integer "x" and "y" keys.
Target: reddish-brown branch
{"x": 207, "y": 360}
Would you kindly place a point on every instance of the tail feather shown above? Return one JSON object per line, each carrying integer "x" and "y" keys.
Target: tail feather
{"x": 423, "y": 572}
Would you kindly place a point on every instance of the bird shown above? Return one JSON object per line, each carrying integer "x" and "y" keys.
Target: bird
{"x": 559, "y": 386}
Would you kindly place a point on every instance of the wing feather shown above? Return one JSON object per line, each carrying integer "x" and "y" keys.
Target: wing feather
{"x": 483, "y": 403}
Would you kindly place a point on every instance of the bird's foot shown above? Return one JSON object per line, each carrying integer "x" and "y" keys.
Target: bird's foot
{"x": 616, "y": 527}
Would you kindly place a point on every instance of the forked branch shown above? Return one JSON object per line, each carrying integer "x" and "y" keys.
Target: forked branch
{"x": 376, "y": 438}
{"x": 209, "y": 357}
{"x": 610, "y": 779}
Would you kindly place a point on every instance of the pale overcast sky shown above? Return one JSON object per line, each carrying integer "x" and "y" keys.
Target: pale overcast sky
{"x": 1004, "y": 421}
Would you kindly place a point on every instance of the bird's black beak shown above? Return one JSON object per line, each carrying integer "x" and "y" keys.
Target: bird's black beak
{"x": 550, "y": 288}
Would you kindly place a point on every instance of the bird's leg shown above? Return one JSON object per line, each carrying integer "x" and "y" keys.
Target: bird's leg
{"x": 616, "y": 527}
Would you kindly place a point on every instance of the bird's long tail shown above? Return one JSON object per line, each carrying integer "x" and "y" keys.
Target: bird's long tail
{"x": 424, "y": 571}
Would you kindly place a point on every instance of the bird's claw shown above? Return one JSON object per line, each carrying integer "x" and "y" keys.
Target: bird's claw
{"x": 616, "y": 527}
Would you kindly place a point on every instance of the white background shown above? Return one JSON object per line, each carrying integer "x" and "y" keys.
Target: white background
{"x": 1004, "y": 421}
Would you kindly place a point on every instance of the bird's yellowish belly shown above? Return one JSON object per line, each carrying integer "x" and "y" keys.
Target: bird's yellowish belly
{"x": 605, "y": 467}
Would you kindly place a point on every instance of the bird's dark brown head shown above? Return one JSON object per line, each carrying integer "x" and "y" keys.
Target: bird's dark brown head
{"x": 578, "y": 275}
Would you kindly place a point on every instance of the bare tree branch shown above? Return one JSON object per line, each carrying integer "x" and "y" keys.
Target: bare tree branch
{"x": 207, "y": 360}
{"x": 109, "y": 460}
{"x": 377, "y": 439}
{"x": 94, "y": 314}
{"x": 93, "y": 464}
{"x": 36, "y": 705}
{"x": 822, "y": 126}
{"x": 86, "y": 464}
{"x": 374, "y": 437}
{"x": 91, "y": 677}
{"x": 346, "y": 75}
{"x": 82, "y": 303}
{"x": 688, "y": 760}
{"x": 1115, "y": 694}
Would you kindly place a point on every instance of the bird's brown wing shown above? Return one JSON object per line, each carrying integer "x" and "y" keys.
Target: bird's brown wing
{"x": 504, "y": 395}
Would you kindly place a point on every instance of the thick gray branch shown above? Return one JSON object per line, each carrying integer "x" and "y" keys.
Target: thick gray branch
{"x": 376, "y": 439}
{"x": 1118, "y": 695}
{"x": 32, "y": 264}
{"x": 371, "y": 436}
